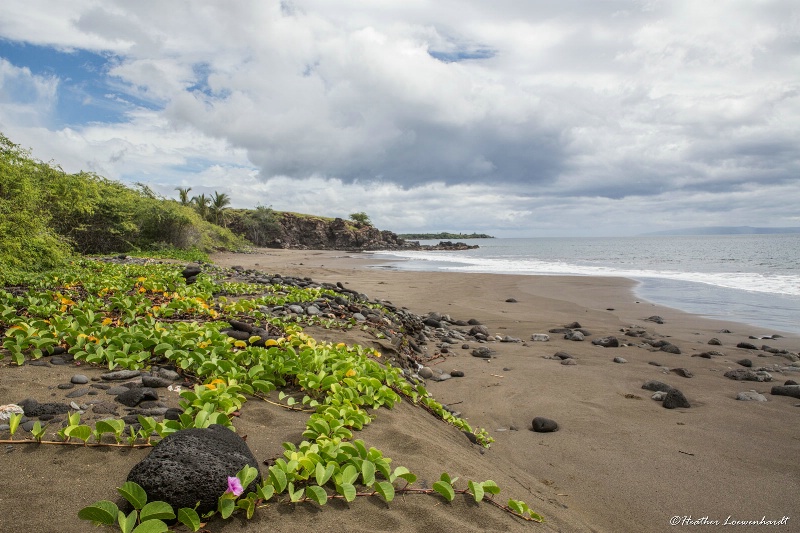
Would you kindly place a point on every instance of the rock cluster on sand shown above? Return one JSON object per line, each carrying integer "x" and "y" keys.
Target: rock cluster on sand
{"x": 671, "y": 397}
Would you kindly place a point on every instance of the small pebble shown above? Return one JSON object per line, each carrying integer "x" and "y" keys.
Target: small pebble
{"x": 79, "y": 379}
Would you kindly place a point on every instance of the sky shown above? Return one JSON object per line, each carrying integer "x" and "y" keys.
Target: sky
{"x": 517, "y": 119}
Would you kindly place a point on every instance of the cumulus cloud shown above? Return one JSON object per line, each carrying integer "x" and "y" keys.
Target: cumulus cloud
{"x": 531, "y": 115}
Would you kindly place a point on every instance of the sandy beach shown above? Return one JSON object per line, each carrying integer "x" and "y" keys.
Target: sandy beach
{"x": 619, "y": 462}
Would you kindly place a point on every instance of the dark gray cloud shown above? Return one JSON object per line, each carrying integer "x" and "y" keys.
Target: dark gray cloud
{"x": 601, "y": 113}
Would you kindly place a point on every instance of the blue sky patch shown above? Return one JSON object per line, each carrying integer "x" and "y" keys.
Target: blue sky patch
{"x": 462, "y": 55}
{"x": 84, "y": 93}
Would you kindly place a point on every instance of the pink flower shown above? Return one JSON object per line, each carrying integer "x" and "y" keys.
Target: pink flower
{"x": 235, "y": 486}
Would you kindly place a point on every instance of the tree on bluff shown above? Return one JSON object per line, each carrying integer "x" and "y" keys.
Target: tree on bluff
{"x": 361, "y": 218}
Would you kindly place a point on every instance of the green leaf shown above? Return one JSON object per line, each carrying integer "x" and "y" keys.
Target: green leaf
{"x": 247, "y": 475}
{"x": 38, "y": 431}
{"x": 477, "y": 490}
{"x": 134, "y": 493}
{"x": 102, "y": 512}
{"x": 445, "y": 489}
{"x": 516, "y": 506}
{"x": 81, "y": 432}
{"x": 317, "y": 493}
{"x": 156, "y": 511}
{"x": 226, "y": 507}
{"x": 13, "y": 422}
{"x": 266, "y": 492}
{"x": 362, "y": 450}
{"x": 323, "y": 474}
{"x": 349, "y": 475}
{"x": 295, "y": 495}
{"x": 103, "y": 426}
{"x": 347, "y": 490}
{"x": 368, "y": 473}
{"x": 403, "y": 473}
{"x": 446, "y": 478}
{"x": 151, "y": 526}
{"x": 278, "y": 478}
{"x": 127, "y": 523}
{"x": 385, "y": 489}
{"x": 189, "y": 518}
{"x": 490, "y": 487}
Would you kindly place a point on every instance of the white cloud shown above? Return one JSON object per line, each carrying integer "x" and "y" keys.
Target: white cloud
{"x": 25, "y": 97}
{"x": 580, "y": 115}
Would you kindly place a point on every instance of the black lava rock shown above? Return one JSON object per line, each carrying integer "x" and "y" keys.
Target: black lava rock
{"x": 783, "y": 390}
{"x": 133, "y": 397}
{"x": 155, "y": 382}
{"x": 544, "y": 425}
{"x": 32, "y": 408}
{"x": 192, "y": 466}
{"x": 656, "y": 386}
{"x": 482, "y": 352}
{"x": 675, "y": 399}
{"x": 191, "y": 271}
{"x": 606, "y": 342}
{"x": 670, "y": 348}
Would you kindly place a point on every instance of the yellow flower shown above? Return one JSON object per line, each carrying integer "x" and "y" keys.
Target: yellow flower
{"x": 350, "y": 373}
{"x": 141, "y": 278}
{"x": 107, "y": 321}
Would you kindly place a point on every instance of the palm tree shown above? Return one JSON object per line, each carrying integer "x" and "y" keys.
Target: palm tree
{"x": 201, "y": 204}
{"x": 219, "y": 202}
{"x": 183, "y": 193}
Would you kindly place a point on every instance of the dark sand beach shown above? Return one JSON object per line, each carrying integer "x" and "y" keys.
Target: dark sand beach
{"x": 619, "y": 462}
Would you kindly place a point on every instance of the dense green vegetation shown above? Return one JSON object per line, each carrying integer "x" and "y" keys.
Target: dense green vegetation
{"x": 133, "y": 316}
{"x": 444, "y": 235}
{"x": 48, "y": 215}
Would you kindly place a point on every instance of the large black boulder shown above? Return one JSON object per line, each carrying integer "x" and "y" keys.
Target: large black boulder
{"x": 192, "y": 466}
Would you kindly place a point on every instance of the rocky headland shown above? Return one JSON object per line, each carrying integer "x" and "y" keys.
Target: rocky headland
{"x": 303, "y": 232}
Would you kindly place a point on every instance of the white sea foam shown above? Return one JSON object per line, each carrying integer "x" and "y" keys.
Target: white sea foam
{"x": 785, "y": 284}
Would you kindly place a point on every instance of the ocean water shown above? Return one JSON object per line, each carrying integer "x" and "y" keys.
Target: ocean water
{"x": 753, "y": 279}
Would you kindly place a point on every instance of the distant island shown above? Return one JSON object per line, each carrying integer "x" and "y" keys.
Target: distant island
{"x": 444, "y": 235}
{"x": 725, "y": 230}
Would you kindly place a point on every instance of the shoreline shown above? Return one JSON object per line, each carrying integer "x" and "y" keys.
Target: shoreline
{"x": 620, "y": 461}
{"x": 749, "y": 298}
